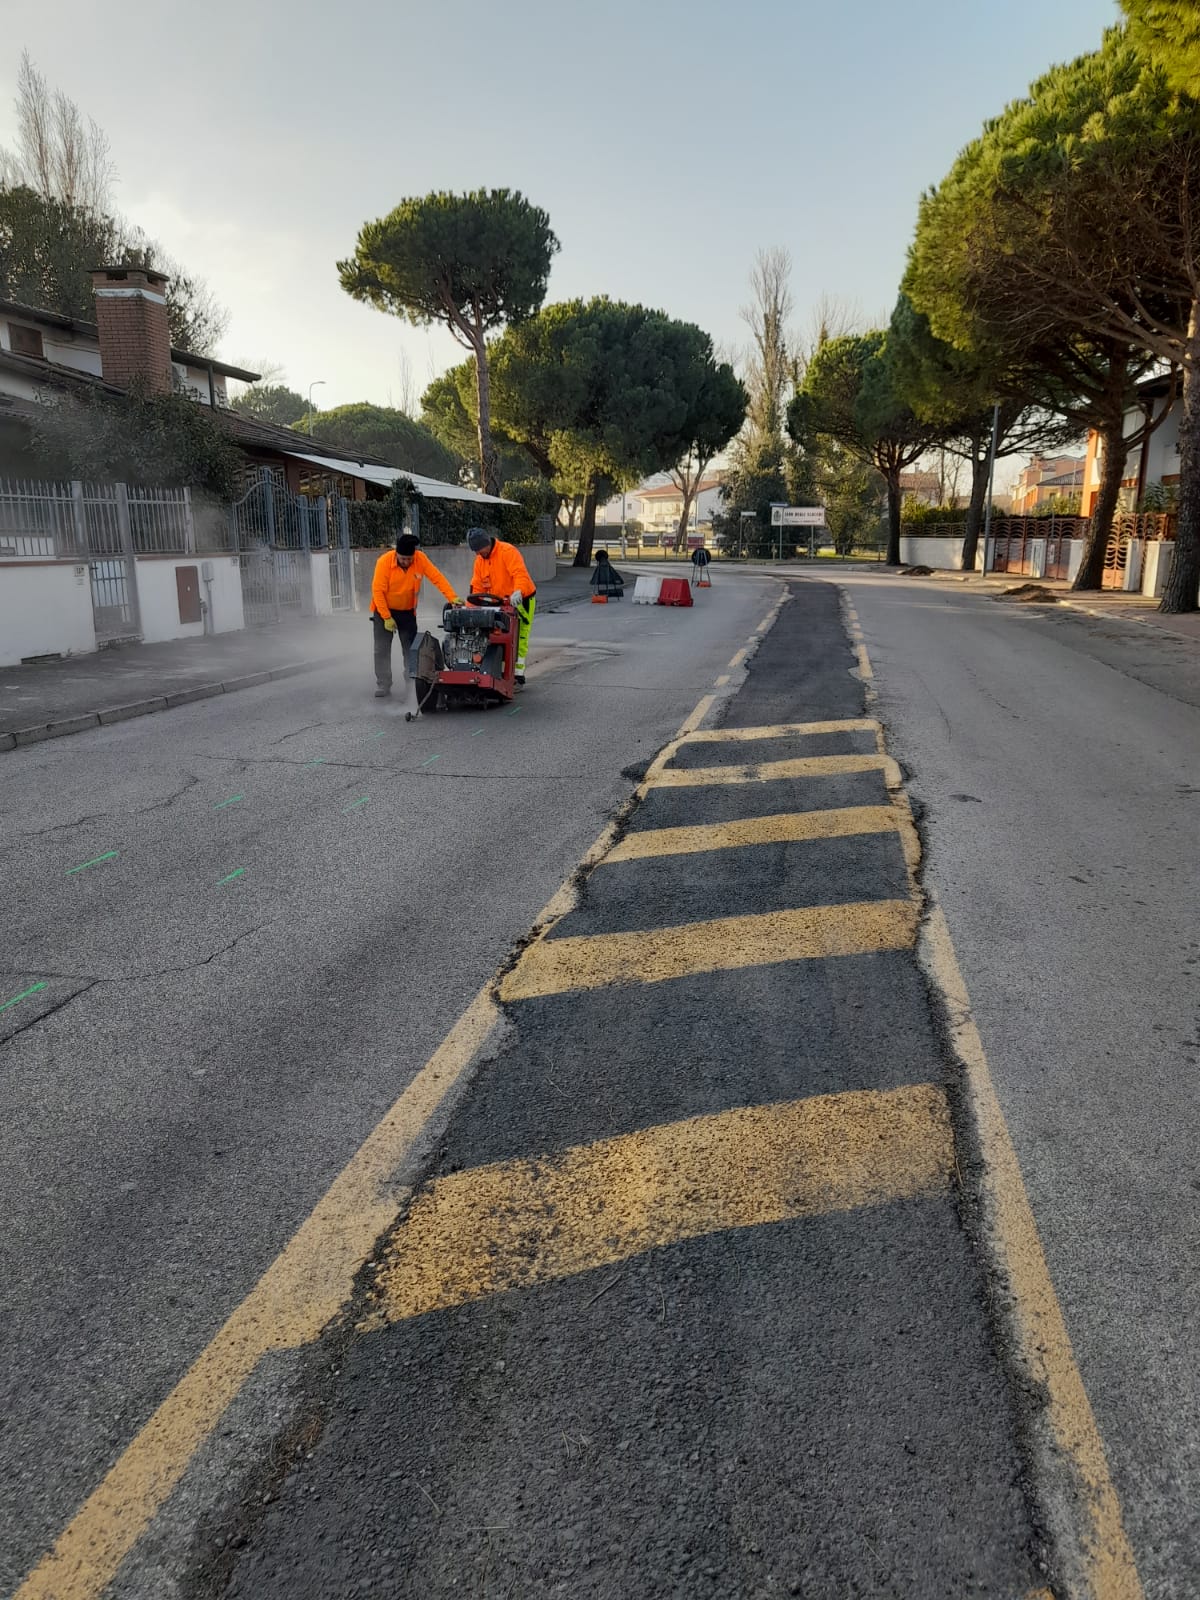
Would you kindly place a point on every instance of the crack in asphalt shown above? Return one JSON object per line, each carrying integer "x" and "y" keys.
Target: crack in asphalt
{"x": 43, "y": 1015}
{"x": 96, "y": 816}
{"x": 91, "y": 980}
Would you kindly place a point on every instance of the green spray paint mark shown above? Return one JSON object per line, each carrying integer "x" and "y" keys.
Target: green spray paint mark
{"x": 477, "y": 732}
{"x": 232, "y": 876}
{"x": 94, "y": 862}
{"x": 378, "y": 735}
{"x": 232, "y": 801}
{"x": 513, "y": 712}
{"x": 319, "y": 762}
{"x": 354, "y": 805}
{"x": 24, "y": 995}
{"x": 431, "y": 760}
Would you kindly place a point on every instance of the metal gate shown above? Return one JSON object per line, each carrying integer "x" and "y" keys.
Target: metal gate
{"x": 260, "y": 588}
{"x": 341, "y": 580}
{"x": 103, "y": 510}
{"x": 1116, "y": 556}
{"x": 275, "y": 534}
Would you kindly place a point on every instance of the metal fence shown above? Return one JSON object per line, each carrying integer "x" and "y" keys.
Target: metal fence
{"x": 46, "y": 520}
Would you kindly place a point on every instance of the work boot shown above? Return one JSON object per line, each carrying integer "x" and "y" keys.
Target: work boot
{"x": 383, "y": 691}
{"x": 519, "y": 680}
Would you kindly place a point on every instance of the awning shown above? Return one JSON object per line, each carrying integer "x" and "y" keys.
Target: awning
{"x": 430, "y": 488}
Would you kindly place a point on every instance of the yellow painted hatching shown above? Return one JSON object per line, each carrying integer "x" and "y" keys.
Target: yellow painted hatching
{"x": 842, "y": 822}
{"x": 769, "y": 771}
{"x": 518, "y": 1223}
{"x": 653, "y": 955}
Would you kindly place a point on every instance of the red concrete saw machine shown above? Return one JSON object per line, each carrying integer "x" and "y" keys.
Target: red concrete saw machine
{"x": 474, "y": 664}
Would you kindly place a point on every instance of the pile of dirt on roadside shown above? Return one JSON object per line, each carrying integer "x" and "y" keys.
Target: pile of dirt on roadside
{"x": 916, "y": 572}
{"x": 1029, "y": 594}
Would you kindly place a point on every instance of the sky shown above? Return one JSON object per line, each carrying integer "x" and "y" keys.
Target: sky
{"x": 668, "y": 142}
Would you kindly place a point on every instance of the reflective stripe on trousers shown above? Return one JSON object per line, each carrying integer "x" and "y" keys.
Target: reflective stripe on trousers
{"x": 524, "y": 623}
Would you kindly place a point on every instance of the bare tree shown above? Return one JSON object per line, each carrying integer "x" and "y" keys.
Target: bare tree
{"x": 769, "y": 370}
{"x": 409, "y": 401}
{"x": 831, "y": 318}
{"x": 59, "y": 154}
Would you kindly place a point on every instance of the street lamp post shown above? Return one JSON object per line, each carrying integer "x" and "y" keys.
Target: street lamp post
{"x": 987, "y": 520}
{"x": 316, "y": 384}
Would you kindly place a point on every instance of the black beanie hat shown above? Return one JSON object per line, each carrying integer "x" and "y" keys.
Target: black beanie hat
{"x": 406, "y": 544}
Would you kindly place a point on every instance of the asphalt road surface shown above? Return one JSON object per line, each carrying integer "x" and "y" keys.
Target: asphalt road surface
{"x": 685, "y": 1306}
{"x": 1057, "y": 762}
{"x": 691, "y": 1298}
{"x": 294, "y": 895}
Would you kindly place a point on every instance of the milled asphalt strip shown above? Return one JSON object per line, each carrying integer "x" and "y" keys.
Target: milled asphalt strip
{"x": 655, "y": 955}
{"x": 513, "y": 1224}
{"x": 18, "y": 738}
{"x": 787, "y": 827}
{"x": 305, "y": 1287}
{"x": 1081, "y": 1505}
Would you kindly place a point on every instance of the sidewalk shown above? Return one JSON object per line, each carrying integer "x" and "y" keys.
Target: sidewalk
{"x": 1106, "y": 603}
{"x": 49, "y": 699}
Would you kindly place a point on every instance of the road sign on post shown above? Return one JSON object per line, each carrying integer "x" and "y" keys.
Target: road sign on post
{"x": 798, "y": 516}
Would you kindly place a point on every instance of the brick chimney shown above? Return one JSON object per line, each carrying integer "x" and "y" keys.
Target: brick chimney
{"x": 131, "y": 313}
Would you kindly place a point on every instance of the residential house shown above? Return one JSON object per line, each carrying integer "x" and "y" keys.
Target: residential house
{"x": 920, "y": 488}
{"x": 657, "y": 505}
{"x": 1155, "y": 460}
{"x": 160, "y": 566}
{"x": 1046, "y": 478}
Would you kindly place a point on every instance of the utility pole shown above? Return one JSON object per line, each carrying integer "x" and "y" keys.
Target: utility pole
{"x": 987, "y": 515}
{"x": 316, "y": 384}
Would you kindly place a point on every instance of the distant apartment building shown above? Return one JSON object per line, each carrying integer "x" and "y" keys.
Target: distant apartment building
{"x": 1045, "y": 479}
{"x": 920, "y": 488}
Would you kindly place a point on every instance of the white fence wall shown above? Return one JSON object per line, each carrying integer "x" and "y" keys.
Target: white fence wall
{"x": 942, "y": 554}
{"x": 45, "y": 609}
{"x": 158, "y": 595}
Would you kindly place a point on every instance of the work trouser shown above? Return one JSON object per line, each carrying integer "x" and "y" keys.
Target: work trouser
{"x": 524, "y": 623}
{"x": 406, "y": 632}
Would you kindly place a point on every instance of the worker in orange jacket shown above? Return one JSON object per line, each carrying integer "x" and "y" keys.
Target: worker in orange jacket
{"x": 500, "y": 570}
{"x": 394, "y": 591}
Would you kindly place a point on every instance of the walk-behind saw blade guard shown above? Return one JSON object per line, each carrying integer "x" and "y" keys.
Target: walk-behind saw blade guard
{"x": 474, "y": 664}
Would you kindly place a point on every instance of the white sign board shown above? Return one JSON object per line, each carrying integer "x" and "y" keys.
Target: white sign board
{"x": 798, "y": 516}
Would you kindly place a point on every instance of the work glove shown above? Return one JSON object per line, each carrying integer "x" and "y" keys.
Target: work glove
{"x": 390, "y": 624}
{"x": 455, "y": 601}
{"x": 516, "y": 598}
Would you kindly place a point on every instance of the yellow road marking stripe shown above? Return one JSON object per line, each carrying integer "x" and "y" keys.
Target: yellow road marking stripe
{"x": 653, "y": 955}
{"x": 304, "y": 1287}
{"x": 523, "y": 1222}
{"x": 699, "y": 714}
{"x": 1085, "y": 1510}
{"x": 843, "y": 822}
{"x": 784, "y": 730}
{"x": 865, "y": 669}
{"x": 772, "y": 771}
{"x": 300, "y": 1292}
{"x": 1102, "y": 1549}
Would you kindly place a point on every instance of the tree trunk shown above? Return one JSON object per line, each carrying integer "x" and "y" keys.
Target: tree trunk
{"x": 892, "y": 477}
{"x": 1183, "y": 583}
{"x": 974, "y": 522}
{"x": 587, "y": 531}
{"x": 489, "y": 462}
{"x": 681, "y": 530}
{"x": 1116, "y": 451}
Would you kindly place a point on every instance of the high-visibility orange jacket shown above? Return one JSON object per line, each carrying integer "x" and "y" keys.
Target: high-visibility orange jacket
{"x": 395, "y": 588}
{"x": 502, "y": 573}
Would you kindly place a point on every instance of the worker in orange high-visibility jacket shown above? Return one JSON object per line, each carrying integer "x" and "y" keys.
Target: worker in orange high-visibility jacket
{"x": 394, "y": 592}
{"x": 500, "y": 570}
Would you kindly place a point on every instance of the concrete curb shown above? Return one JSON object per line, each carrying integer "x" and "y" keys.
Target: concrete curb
{"x": 17, "y": 738}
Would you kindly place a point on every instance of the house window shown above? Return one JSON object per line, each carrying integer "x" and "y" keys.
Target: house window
{"x": 25, "y": 341}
